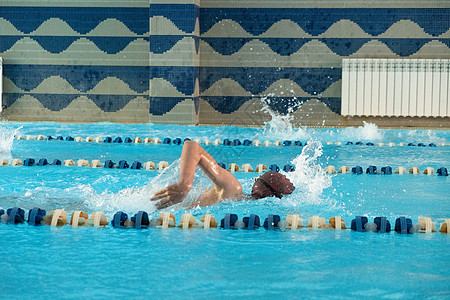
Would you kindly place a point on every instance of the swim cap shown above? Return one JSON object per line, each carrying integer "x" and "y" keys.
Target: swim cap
{"x": 272, "y": 184}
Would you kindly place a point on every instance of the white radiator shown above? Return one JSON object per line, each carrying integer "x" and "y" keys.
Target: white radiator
{"x": 396, "y": 87}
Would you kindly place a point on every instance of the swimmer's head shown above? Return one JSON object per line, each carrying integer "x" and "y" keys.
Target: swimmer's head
{"x": 272, "y": 184}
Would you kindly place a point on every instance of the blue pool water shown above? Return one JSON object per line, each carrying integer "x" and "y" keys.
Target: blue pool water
{"x": 175, "y": 263}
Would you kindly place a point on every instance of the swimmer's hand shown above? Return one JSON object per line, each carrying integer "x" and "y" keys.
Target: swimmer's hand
{"x": 171, "y": 195}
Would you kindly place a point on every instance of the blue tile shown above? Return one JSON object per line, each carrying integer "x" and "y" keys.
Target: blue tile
{"x": 55, "y": 102}
{"x": 80, "y": 19}
{"x": 7, "y": 41}
{"x": 162, "y": 43}
{"x": 82, "y": 78}
{"x": 315, "y": 21}
{"x": 55, "y": 44}
{"x": 256, "y": 80}
{"x": 111, "y": 103}
{"x": 183, "y": 78}
{"x": 162, "y": 105}
{"x": 182, "y": 15}
{"x": 112, "y": 44}
{"x": 282, "y": 105}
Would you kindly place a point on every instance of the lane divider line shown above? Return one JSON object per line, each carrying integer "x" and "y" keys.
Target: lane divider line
{"x": 217, "y": 141}
{"x": 141, "y": 220}
{"x": 233, "y": 167}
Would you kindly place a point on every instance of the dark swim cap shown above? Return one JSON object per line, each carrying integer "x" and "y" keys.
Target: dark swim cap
{"x": 272, "y": 184}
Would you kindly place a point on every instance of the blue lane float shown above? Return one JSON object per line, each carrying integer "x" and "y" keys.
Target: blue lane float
{"x": 229, "y": 221}
{"x": 176, "y": 141}
{"x": 140, "y": 220}
{"x": 386, "y": 170}
{"x": 274, "y": 168}
{"x": 107, "y": 139}
{"x": 29, "y": 162}
{"x": 227, "y": 142}
{"x": 136, "y": 165}
{"x": 35, "y": 216}
{"x": 118, "y": 140}
{"x": 403, "y": 225}
{"x": 358, "y": 170}
{"x": 383, "y": 224}
{"x": 247, "y": 143}
{"x": 288, "y": 168}
{"x": 123, "y": 164}
{"x": 359, "y": 223}
{"x": 43, "y": 162}
{"x": 271, "y": 222}
{"x": 371, "y": 170}
{"x": 16, "y": 215}
{"x": 127, "y": 140}
{"x": 442, "y": 171}
{"x": 119, "y": 219}
{"x": 252, "y": 222}
{"x": 70, "y": 139}
{"x": 108, "y": 164}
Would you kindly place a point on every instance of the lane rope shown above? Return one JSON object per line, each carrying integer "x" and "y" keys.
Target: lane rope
{"x": 141, "y": 220}
{"x": 224, "y": 142}
{"x": 233, "y": 167}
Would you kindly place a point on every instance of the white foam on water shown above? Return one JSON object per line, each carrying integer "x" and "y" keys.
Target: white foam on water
{"x": 7, "y": 139}
{"x": 368, "y": 132}
{"x": 280, "y": 126}
{"x": 138, "y": 198}
{"x": 309, "y": 178}
{"x": 422, "y": 136}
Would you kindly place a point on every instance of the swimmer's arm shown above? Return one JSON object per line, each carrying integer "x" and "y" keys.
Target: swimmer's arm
{"x": 175, "y": 193}
{"x": 194, "y": 155}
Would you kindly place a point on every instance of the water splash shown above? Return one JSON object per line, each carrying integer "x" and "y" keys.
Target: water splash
{"x": 7, "y": 139}
{"x": 138, "y": 198}
{"x": 367, "y": 132}
{"x": 309, "y": 178}
{"x": 422, "y": 136}
{"x": 280, "y": 126}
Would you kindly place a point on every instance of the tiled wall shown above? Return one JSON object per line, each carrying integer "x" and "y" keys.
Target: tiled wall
{"x": 202, "y": 61}
{"x": 64, "y": 61}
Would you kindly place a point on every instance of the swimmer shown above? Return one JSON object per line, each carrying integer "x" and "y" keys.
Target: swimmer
{"x": 226, "y": 186}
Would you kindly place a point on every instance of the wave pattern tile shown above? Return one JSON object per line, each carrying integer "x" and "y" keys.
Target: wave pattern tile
{"x": 316, "y": 21}
{"x": 176, "y": 55}
{"x": 98, "y": 54}
{"x": 80, "y": 19}
{"x": 306, "y": 46}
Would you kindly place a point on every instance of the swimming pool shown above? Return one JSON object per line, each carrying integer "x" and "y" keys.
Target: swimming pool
{"x": 307, "y": 263}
